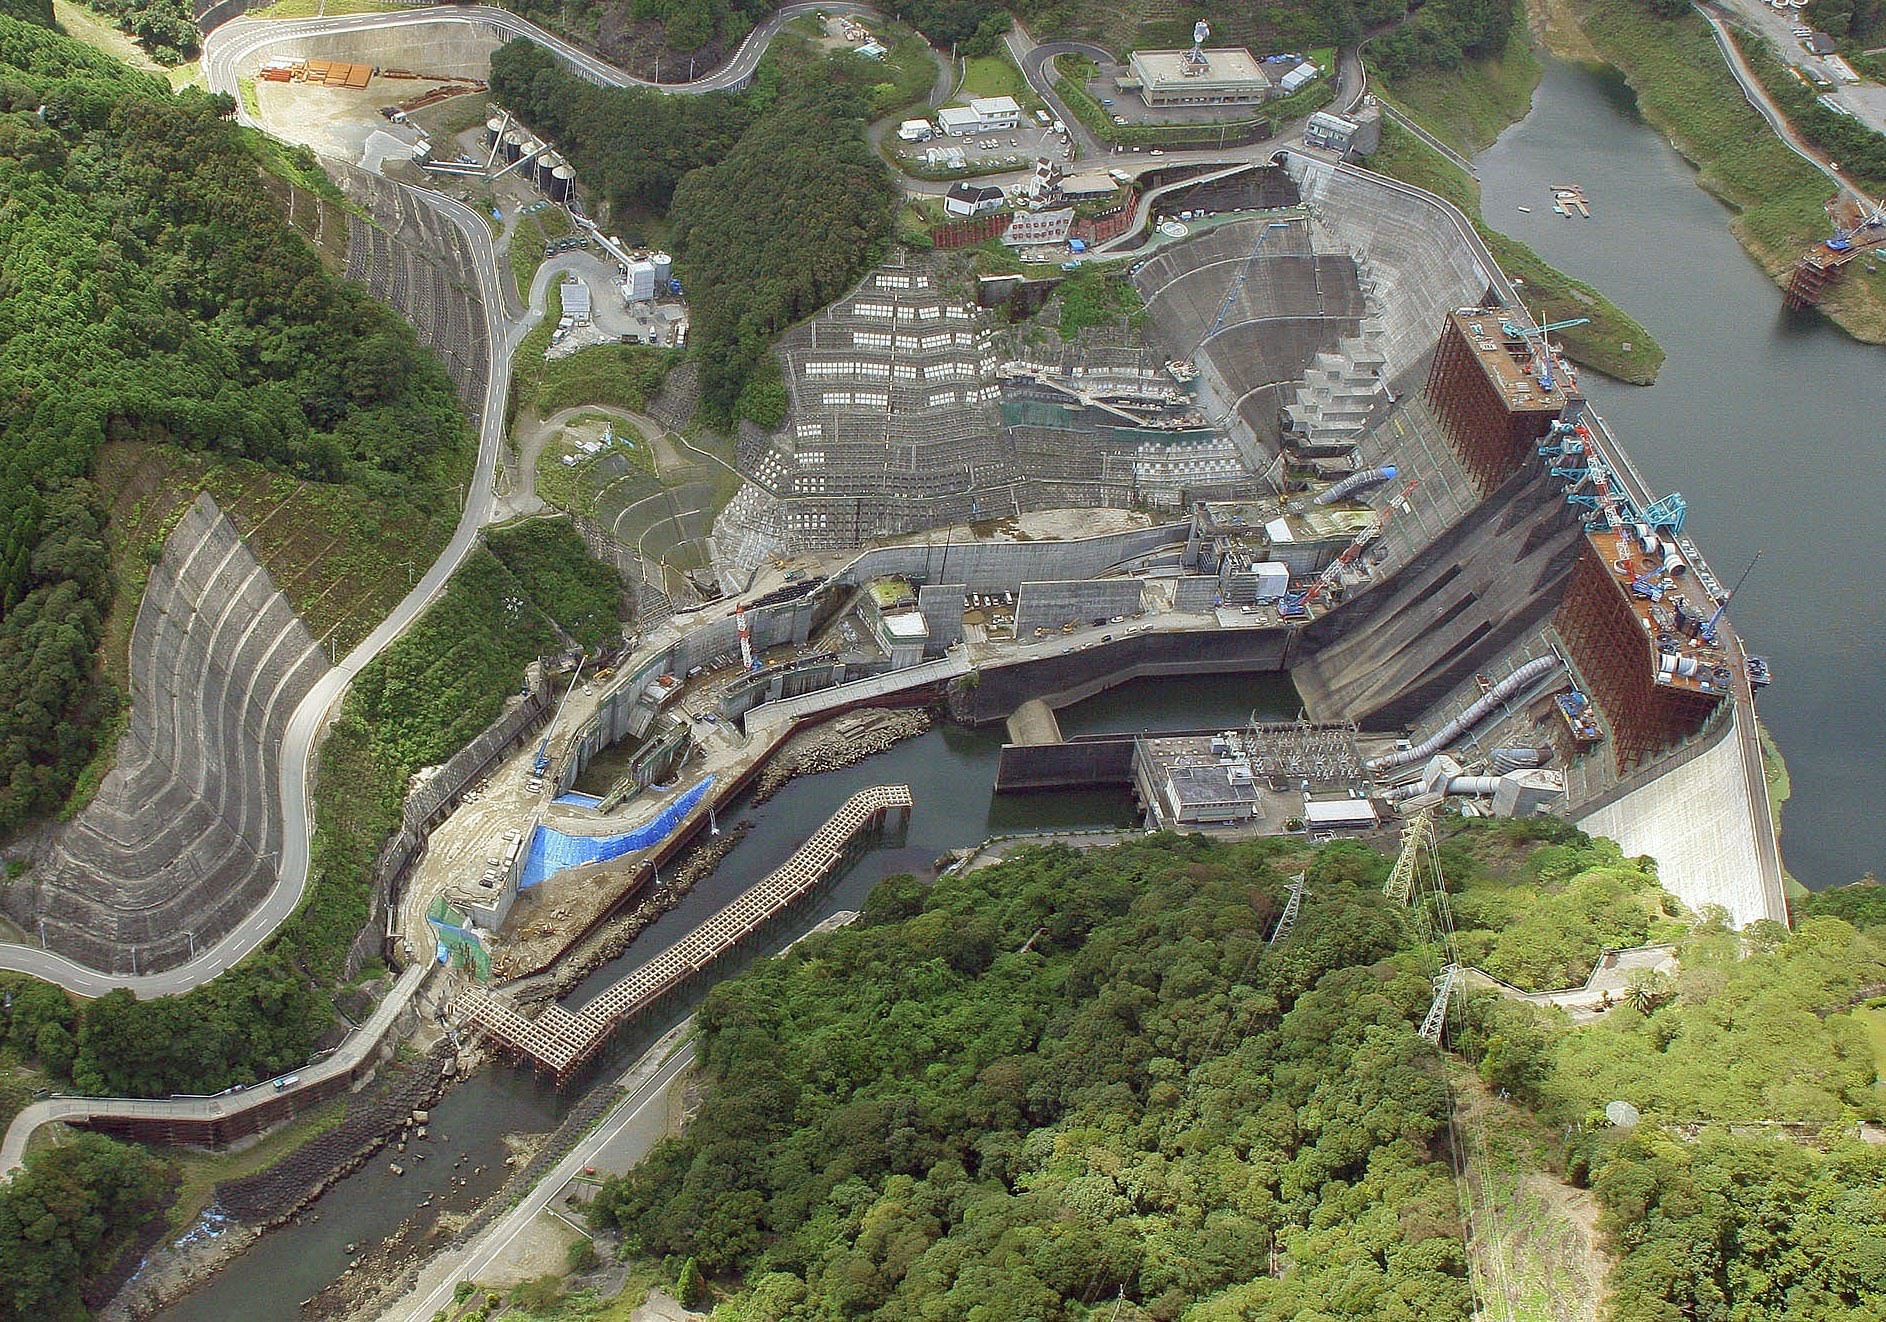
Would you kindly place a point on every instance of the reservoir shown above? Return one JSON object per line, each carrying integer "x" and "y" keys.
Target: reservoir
{"x": 1768, "y": 422}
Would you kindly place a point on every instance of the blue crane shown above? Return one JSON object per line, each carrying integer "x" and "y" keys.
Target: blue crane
{"x": 1244, "y": 274}
{"x": 1541, "y": 347}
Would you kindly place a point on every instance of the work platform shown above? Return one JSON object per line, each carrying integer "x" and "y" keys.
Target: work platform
{"x": 560, "y": 1043}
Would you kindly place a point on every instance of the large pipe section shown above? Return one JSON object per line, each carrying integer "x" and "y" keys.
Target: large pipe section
{"x": 1524, "y": 677}
{"x": 1368, "y": 477}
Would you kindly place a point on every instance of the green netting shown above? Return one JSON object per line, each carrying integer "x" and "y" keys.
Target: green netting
{"x": 1038, "y": 413}
{"x": 458, "y": 945}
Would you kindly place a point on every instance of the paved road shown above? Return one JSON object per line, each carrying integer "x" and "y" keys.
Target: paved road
{"x": 626, "y": 1134}
{"x": 1866, "y": 102}
{"x": 357, "y": 1046}
{"x": 244, "y": 39}
{"x": 1758, "y": 97}
{"x": 310, "y": 718}
{"x": 1434, "y": 143}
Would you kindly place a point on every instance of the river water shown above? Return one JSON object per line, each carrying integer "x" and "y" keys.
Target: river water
{"x": 1770, "y": 424}
{"x": 950, "y": 771}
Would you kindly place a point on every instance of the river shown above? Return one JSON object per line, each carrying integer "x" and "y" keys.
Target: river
{"x": 1768, "y": 422}
{"x": 950, "y": 771}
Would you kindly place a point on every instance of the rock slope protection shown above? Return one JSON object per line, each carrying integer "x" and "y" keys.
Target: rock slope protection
{"x": 182, "y": 838}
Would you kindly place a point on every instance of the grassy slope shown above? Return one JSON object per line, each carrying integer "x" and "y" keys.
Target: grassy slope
{"x": 1686, "y": 90}
{"x": 527, "y": 244}
{"x": 1472, "y": 105}
{"x": 1550, "y": 293}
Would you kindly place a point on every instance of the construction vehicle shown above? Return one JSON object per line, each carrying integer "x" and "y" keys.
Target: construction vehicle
{"x": 1296, "y": 605}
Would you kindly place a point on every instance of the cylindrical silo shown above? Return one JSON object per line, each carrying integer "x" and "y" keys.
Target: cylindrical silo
{"x": 546, "y": 167}
{"x": 664, "y": 271}
{"x": 513, "y": 144}
{"x": 494, "y": 128}
{"x": 562, "y": 183}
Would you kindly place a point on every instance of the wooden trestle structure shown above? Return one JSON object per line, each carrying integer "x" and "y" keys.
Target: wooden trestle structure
{"x": 559, "y": 1043}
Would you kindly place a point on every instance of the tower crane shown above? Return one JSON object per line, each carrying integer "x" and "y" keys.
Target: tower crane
{"x": 1537, "y": 337}
{"x": 1296, "y": 605}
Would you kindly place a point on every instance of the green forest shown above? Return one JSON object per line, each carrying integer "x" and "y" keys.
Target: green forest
{"x": 816, "y": 201}
{"x": 1083, "y": 1086}
{"x": 68, "y": 1215}
{"x": 420, "y": 701}
{"x": 149, "y": 290}
{"x": 1073, "y": 1082}
{"x": 551, "y": 565}
{"x": 815, "y": 211}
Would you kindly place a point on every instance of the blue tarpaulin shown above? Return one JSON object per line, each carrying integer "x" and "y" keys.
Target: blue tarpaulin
{"x": 575, "y": 800}
{"x": 553, "y": 851}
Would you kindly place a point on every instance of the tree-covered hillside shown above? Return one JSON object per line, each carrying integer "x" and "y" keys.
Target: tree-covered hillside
{"x": 149, "y": 290}
{"x": 777, "y": 202}
{"x": 1071, "y": 1081}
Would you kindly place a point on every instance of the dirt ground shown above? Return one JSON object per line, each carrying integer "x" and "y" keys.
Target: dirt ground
{"x": 544, "y": 917}
{"x": 1554, "y": 25}
{"x": 1534, "y": 1238}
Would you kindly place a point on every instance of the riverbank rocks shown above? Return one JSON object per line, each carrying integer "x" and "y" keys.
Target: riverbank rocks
{"x": 841, "y": 742}
{"x": 374, "y": 1117}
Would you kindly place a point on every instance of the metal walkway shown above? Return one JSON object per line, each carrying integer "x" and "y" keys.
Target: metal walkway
{"x": 560, "y": 1043}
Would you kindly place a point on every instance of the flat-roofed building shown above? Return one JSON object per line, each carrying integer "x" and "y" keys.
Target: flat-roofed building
{"x": 1093, "y": 183}
{"x": 985, "y": 114}
{"x": 1228, "y": 76}
{"x": 997, "y": 112}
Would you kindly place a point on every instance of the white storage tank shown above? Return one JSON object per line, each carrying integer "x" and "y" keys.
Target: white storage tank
{"x": 664, "y": 270}
{"x": 494, "y": 128}
{"x": 562, "y": 183}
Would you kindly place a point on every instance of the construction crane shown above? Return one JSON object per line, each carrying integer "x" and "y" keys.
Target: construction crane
{"x": 1844, "y": 235}
{"x": 1709, "y": 626}
{"x": 1237, "y": 283}
{"x": 540, "y": 765}
{"x": 1296, "y": 605}
{"x": 746, "y": 638}
{"x": 1537, "y": 337}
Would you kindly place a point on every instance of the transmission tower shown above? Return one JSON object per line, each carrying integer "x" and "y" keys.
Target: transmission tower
{"x": 1288, "y": 919}
{"x": 1437, "y": 1012}
{"x": 1417, "y": 864}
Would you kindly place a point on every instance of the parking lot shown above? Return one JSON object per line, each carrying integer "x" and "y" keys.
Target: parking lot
{"x": 1784, "y": 30}
{"x": 1004, "y": 149}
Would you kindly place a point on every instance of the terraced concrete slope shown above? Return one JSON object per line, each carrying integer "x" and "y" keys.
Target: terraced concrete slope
{"x": 185, "y": 833}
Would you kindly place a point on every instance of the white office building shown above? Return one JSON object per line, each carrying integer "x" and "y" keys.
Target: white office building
{"x": 985, "y": 114}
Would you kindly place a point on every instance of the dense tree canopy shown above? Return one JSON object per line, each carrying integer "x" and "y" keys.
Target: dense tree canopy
{"x": 149, "y": 290}
{"x": 65, "y": 1217}
{"x": 1072, "y": 1080}
{"x": 814, "y": 210}
{"x": 630, "y": 145}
